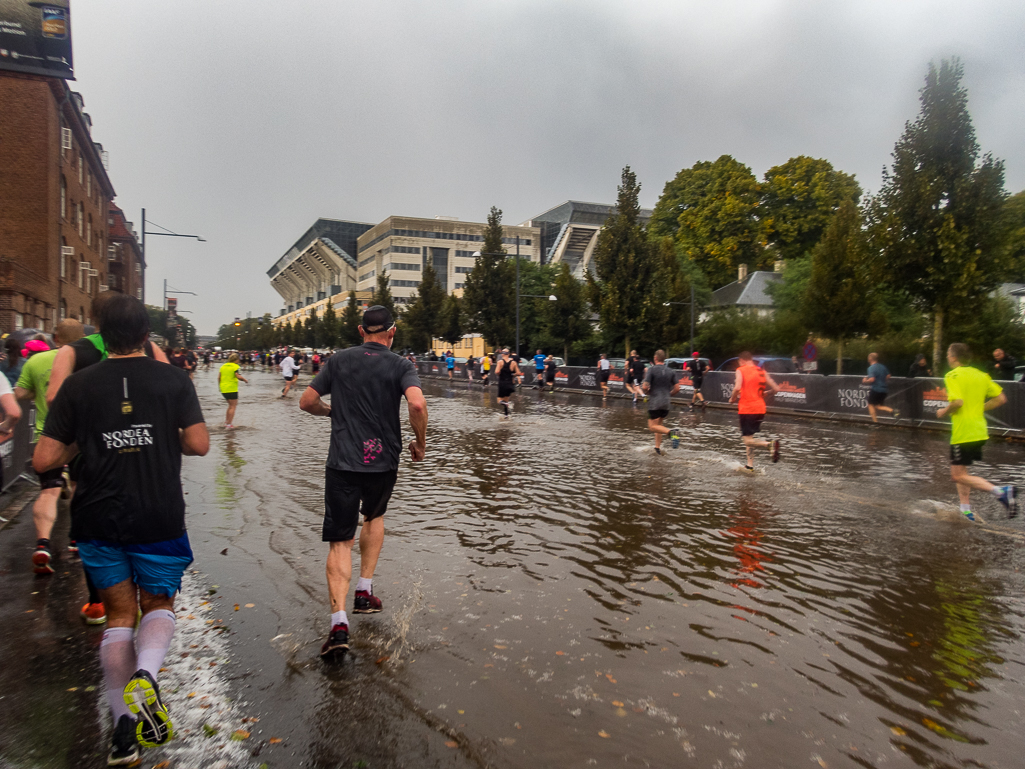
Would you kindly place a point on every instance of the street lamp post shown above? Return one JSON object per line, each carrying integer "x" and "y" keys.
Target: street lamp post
{"x": 692, "y": 304}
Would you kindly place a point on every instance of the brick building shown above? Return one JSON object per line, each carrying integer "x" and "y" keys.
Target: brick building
{"x": 125, "y": 264}
{"x": 55, "y": 199}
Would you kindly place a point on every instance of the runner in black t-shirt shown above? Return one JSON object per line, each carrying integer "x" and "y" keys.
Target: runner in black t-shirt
{"x": 697, "y": 369}
{"x": 505, "y": 371}
{"x": 635, "y": 375}
{"x": 550, "y": 369}
{"x": 366, "y": 385}
{"x": 132, "y": 419}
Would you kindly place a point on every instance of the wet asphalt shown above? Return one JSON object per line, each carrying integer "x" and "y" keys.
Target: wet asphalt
{"x": 558, "y": 595}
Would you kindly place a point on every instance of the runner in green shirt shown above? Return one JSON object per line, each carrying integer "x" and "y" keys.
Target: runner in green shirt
{"x": 971, "y": 393}
{"x": 228, "y": 382}
{"x": 32, "y": 383}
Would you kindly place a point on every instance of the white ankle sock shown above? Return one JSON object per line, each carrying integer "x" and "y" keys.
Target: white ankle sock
{"x": 155, "y": 633}
{"x": 364, "y": 584}
{"x": 996, "y": 491}
{"x": 117, "y": 658}
{"x": 339, "y": 618}
{"x": 966, "y": 508}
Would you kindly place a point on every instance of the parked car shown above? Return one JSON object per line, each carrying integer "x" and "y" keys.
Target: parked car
{"x": 774, "y": 364}
{"x": 681, "y": 363}
{"x": 621, "y": 362}
{"x": 1019, "y": 373}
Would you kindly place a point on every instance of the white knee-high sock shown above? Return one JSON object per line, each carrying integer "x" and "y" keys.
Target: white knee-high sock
{"x": 155, "y": 633}
{"x": 117, "y": 657}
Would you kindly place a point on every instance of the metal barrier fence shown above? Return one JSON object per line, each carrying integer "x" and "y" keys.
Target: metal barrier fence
{"x": 16, "y": 451}
{"x": 810, "y": 394}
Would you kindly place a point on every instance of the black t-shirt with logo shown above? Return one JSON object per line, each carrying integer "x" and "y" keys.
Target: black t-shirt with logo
{"x": 125, "y": 414}
{"x": 366, "y": 385}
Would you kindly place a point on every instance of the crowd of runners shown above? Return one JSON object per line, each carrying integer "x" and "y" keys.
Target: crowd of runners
{"x": 115, "y": 414}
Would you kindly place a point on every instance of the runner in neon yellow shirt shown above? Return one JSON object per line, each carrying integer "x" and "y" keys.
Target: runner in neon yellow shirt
{"x": 971, "y": 393}
{"x": 228, "y": 382}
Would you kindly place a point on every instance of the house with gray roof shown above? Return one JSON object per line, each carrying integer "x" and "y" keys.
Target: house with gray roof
{"x": 748, "y": 292}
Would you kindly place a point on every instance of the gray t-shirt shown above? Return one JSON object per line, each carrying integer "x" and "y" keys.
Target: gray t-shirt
{"x": 661, "y": 381}
{"x": 880, "y": 372}
{"x": 366, "y": 385}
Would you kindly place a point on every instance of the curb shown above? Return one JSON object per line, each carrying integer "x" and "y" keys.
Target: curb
{"x": 15, "y": 499}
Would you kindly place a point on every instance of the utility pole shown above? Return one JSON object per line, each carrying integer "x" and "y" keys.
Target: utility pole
{"x": 517, "y": 296}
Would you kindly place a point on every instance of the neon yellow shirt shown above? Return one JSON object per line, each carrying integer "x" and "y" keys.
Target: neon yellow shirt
{"x": 35, "y": 376}
{"x": 973, "y": 388}
{"x": 229, "y": 380}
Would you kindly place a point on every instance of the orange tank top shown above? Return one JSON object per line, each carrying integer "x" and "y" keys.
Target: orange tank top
{"x": 752, "y": 390}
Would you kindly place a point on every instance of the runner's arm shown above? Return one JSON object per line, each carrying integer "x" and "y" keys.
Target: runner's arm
{"x": 63, "y": 365}
{"x": 417, "y": 405}
{"x": 195, "y": 440}
{"x": 994, "y": 403}
{"x": 239, "y": 376}
{"x": 12, "y": 413}
{"x": 953, "y": 406}
{"x": 771, "y": 383}
{"x": 51, "y": 453}
{"x": 312, "y": 403}
{"x": 24, "y": 395}
{"x": 738, "y": 381}
{"x": 158, "y": 355}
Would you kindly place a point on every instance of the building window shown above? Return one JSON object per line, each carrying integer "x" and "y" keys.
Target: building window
{"x": 81, "y": 219}
{"x": 81, "y": 270}
{"x": 63, "y": 310}
{"x": 463, "y": 270}
{"x": 367, "y": 261}
{"x": 367, "y": 275}
{"x": 81, "y": 168}
{"x": 468, "y": 254}
{"x": 89, "y": 230}
{"x": 401, "y": 266}
{"x": 64, "y": 198}
{"x": 81, "y": 314}
{"x": 19, "y": 321}
{"x": 458, "y": 285}
{"x": 89, "y": 184}
{"x": 403, "y": 283}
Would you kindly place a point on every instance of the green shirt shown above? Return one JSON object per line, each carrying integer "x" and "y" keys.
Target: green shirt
{"x": 229, "y": 378}
{"x": 35, "y": 376}
{"x": 973, "y": 388}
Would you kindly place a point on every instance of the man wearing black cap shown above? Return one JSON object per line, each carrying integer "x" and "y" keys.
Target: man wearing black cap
{"x": 366, "y": 385}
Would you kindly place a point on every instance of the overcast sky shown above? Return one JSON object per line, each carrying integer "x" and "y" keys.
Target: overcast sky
{"x": 245, "y": 121}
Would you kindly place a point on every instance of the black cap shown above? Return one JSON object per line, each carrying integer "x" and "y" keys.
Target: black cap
{"x": 377, "y": 319}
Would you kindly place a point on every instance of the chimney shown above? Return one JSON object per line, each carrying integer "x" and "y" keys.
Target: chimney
{"x": 777, "y": 266}
{"x": 741, "y": 273}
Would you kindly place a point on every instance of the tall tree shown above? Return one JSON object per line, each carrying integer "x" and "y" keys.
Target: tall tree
{"x": 1013, "y": 217}
{"x": 382, "y": 293}
{"x": 799, "y": 198}
{"x": 489, "y": 294}
{"x": 424, "y": 311}
{"x": 711, "y": 211}
{"x": 936, "y": 219}
{"x": 620, "y": 288}
{"x": 567, "y": 317}
{"x": 451, "y": 321}
{"x": 330, "y": 326}
{"x": 349, "y": 332}
{"x": 838, "y": 302}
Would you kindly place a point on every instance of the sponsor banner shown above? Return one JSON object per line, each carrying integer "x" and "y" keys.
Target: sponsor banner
{"x": 35, "y": 37}
{"x": 796, "y": 391}
{"x": 616, "y": 379}
{"x": 717, "y": 386}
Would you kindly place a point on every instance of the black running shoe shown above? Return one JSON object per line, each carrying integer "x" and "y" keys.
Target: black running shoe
{"x": 124, "y": 748}
{"x": 142, "y": 696}
{"x": 775, "y": 451}
{"x": 337, "y": 643}
{"x": 658, "y": 451}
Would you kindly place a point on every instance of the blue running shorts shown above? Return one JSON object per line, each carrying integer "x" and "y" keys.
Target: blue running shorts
{"x": 156, "y": 567}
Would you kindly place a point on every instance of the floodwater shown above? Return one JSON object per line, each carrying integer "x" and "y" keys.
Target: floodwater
{"x": 556, "y": 595}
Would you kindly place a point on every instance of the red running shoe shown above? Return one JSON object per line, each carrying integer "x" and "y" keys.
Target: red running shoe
{"x": 337, "y": 643}
{"x": 775, "y": 451}
{"x": 366, "y": 603}
{"x": 41, "y": 560}
{"x": 93, "y": 613}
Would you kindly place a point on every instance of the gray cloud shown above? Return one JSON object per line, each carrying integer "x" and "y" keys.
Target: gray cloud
{"x": 244, "y": 121}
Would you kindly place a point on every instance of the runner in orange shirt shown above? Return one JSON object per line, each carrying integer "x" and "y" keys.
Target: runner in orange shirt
{"x": 749, "y": 388}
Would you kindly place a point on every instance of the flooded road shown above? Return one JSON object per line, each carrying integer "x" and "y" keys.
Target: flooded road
{"x": 557, "y": 595}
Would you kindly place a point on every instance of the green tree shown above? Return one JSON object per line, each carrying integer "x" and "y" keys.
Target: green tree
{"x": 799, "y": 199}
{"x": 311, "y": 330}
{"x": 382, "y": 293}
{"x": 1013, "y": 223}
{"x": 838, "y": 302}
{"x": 936, "y": 219}
{"x": 178, "y": 334}
{"x": 423, "y": 313}
{"x": 567, "y": 317}
{"x": 451, "y": 320}
{"x": 711, "y": 211}
{"x": 329, "y": 326}
{"x": 350, "y": 321}
{"x": 621, "y": 287}
{"x": 489, "y": 293}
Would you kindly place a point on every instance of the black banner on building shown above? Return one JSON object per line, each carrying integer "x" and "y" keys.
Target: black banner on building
{"x": 35, "y": 38}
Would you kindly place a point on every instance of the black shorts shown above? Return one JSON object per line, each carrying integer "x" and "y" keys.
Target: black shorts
{"x": 346, "y": 494}
{"x": 550, "y": 377}
{"x": 876, "y": 398}
{"x": 966, "y": 453}
{"x": 505, "y": 390}
{"x": 658, "y": 413}
{"x": 290, "y": 378}
{"x": 751, "y": 423}
{"x": 604, "y": 374}
{"x": 51, "y": 479}
{"x": 696, "y": 381}
{"x": 230, "y": 396}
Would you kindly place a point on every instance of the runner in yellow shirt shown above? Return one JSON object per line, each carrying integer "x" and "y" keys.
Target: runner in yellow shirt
{"x": 971, "y": 393}
{"x": 229, "y": 376}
